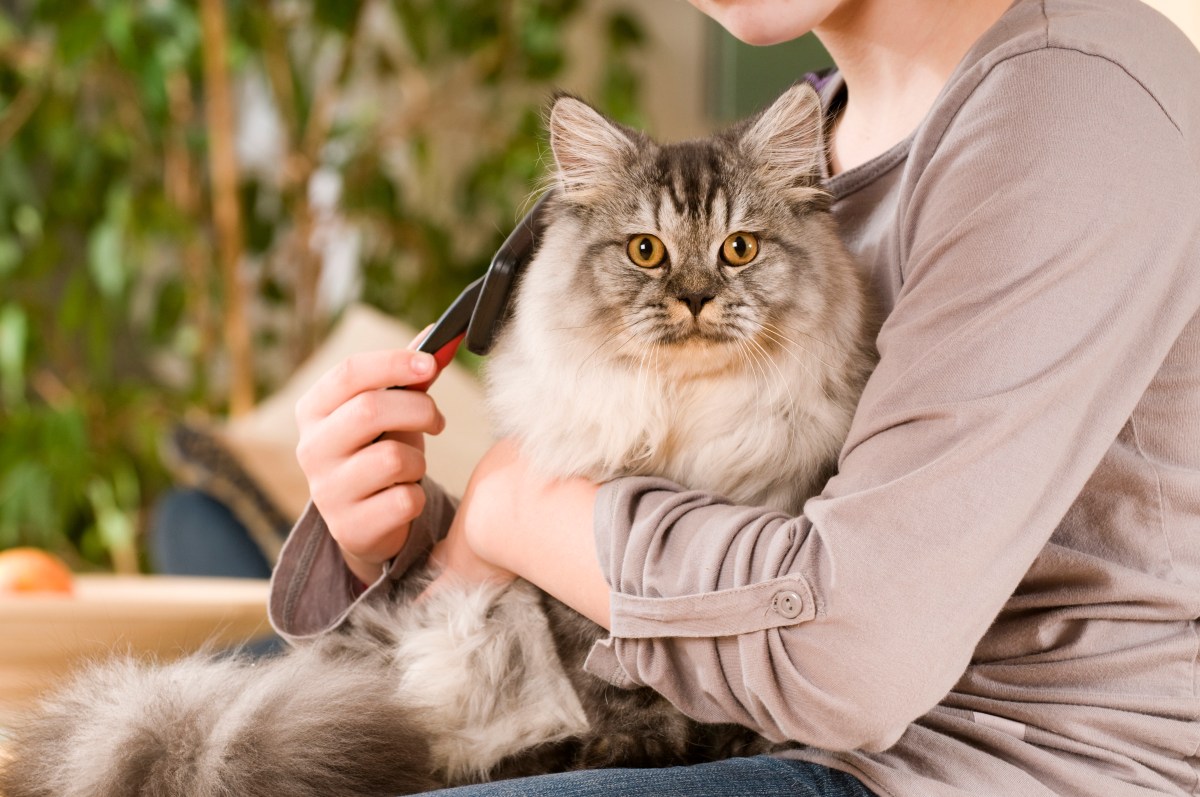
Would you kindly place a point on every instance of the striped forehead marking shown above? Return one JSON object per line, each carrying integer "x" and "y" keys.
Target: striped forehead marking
{"x": 690, "y": 175}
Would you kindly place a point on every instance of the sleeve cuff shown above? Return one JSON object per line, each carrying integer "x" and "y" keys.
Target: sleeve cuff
{"x": 429, "y": 527}
{"x": 312, "y": 590}
{"x": 602, "y": 662}
{"x": 742, "y": 576}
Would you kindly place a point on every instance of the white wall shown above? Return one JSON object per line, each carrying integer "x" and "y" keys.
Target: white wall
{"x": 672, "y": 62}
{"x": 1184, "y": 13}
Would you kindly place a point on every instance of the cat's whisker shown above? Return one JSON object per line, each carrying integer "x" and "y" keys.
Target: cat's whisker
{"x": 643, "y": 379}
{"x": 788, "y": 348}
{"x": 777, "y": 334}
{"x": 656, "y": 370}
{"x": 638, "y": 458}
{"x": 592, "y": 353}
{"x": 622, "y": 328}
{"x": 815, "y": 377}
{"x": 631, "y": 337}
{"x": 751, "y": 358}
{"x": 822, "y": 341}
{"x": 581, "y": 326}
{"x": 791, "y": 430}
{"x": 778, "y": 371}
{"x": 781, "y": 334}
{"x": 783, "y": 380}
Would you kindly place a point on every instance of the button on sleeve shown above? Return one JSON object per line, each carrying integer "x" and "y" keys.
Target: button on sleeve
{"x": 728, "y": 612}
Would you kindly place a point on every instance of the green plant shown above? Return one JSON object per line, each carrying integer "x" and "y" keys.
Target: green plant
{"x": 136, "y": 248}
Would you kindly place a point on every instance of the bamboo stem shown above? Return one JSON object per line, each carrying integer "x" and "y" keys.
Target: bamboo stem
{"x": 18, "y": 112}
{"x": 223, "y": 169}
{"x": 308, "y": 262}
{"x": 183, "y": 190}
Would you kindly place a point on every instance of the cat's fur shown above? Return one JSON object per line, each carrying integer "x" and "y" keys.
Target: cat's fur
{"x": 740, "y": 381}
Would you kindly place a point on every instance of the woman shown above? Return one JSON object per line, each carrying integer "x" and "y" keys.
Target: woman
{"x": 1002, "y": 583}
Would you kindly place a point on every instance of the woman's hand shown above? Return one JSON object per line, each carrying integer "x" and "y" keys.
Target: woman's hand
{"x": 362, "y": 450}
{"x": 513, "y": 522}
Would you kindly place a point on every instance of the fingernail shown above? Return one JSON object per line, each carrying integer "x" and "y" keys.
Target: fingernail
{"x": 423, "y": 364}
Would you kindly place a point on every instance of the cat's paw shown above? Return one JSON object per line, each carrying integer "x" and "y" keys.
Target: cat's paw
{"x": 630, "y": 750}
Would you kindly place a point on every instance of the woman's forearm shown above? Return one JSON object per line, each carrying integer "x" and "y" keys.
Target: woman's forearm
{"x": 559, "y": 550}
{"x": 540, "y": 530}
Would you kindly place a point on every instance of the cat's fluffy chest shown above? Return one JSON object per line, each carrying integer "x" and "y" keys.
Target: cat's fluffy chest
{"x": 751, "y": 430}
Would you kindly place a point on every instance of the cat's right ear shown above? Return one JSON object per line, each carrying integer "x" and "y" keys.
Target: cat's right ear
{"x": 788, "y": 141}
{"x": 588, "y": 148}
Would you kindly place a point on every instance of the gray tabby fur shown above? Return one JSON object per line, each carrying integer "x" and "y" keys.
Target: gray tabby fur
{"x": 602, "y": 371}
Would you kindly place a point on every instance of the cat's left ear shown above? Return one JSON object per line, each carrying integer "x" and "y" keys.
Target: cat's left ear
{"x": 788, "y": 139}
{"x": 588, "y": 148}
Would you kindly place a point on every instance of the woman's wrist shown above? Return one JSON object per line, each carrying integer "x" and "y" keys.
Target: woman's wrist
{"x": 368, "y": 569}
{"x": 365, "y": 571}
{"x": 490, "y": 513}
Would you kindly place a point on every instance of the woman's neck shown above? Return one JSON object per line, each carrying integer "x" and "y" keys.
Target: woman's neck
{"x": 895, "y": 56}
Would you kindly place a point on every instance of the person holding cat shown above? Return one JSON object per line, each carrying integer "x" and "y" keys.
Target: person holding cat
{"x": 998, "y": 592}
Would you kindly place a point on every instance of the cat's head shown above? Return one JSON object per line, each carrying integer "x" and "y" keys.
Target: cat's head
{"x": 699, "y": 249}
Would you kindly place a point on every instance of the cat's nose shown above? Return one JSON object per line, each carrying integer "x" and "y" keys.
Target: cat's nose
{"x": 695, "y": 302}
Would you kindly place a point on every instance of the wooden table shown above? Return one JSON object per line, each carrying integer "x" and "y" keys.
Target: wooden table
{"x": 43, "y": 636}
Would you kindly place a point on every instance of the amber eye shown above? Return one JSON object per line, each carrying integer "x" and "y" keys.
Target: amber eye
{"x": 646, "y": 251}
{"x": 739, "y": 249}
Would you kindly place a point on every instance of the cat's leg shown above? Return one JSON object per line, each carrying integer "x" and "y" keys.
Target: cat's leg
{"x": 540, "y": 759}
{"x": 626, "y": 727}
{"x": 636, "y": 727}
{"x": 478, "y": 663}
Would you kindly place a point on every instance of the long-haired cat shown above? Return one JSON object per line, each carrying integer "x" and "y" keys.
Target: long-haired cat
{"x": 689, "y": 313}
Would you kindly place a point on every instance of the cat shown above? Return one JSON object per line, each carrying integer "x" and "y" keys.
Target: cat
{"x": 688, "y": 313}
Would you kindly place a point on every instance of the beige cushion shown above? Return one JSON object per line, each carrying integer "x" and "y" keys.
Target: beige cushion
{"x": 263, "y": 442}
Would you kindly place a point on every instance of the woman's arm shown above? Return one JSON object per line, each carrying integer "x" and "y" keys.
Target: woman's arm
{"x": 512, "y": 522}
{"x": 1038, "y": 303}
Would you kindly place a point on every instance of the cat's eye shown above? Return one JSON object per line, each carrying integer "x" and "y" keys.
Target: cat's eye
{"x": 646, "y": 251}
{"x": 739, "y": 248}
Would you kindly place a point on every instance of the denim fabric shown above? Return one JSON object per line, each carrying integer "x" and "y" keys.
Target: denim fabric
{"x": 760, "y": 776}
{"x": 193, "y": 534}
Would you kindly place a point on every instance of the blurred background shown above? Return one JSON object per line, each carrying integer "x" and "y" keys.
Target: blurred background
{"x": 193, "y": 192}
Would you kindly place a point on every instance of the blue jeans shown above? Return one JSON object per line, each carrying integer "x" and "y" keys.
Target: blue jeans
{"x": 759, "y": 776}
{"x": 194, "y": 534}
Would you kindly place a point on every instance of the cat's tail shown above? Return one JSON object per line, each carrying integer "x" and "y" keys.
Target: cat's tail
{"x": 298, "y": 724}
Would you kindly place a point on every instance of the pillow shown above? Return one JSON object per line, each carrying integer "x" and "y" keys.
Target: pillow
{"x": 249, "y": 462}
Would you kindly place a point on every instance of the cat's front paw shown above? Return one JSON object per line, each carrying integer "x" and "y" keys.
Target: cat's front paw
{"x": 630, "y": 750}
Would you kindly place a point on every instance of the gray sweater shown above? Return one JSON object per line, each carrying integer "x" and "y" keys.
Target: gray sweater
{"x": 999, "y": 591}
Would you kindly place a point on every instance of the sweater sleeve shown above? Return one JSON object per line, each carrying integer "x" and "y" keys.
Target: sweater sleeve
{"x": 312, "y": 590}
{"x": 1037, "y": 304}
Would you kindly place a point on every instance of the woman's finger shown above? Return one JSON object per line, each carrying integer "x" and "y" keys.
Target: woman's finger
{"x": 443, "y": 356}
{"x": 373, "y": 469}
{"x": 362, "y": 419}
{"x": 377, "y": 526}
{"x": 361, "y": 373}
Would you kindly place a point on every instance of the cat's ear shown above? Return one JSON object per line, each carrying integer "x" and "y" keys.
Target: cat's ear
{"x": 788, "y": 139}
{"x": 587, "y": 147}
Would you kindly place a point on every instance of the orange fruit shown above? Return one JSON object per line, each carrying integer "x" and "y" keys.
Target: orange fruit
{"x": 33, "y": 570}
